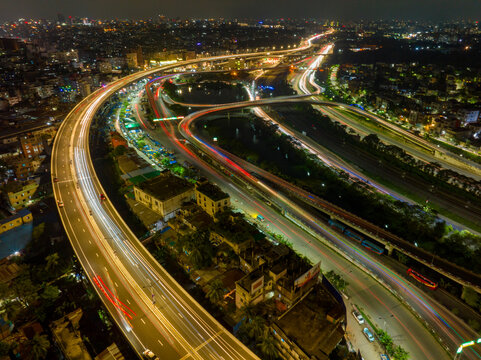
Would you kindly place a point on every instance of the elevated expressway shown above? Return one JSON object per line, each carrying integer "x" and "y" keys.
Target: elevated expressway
{"x": 451, "y": 331}
{"x": 448, "y": 269}
{"x": 149, "y": 306}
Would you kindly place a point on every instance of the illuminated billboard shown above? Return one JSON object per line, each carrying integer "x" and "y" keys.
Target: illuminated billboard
{"x": 309, "y": 275}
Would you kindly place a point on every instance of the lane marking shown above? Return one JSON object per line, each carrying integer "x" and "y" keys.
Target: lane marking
{"x": 83, "y": 229}
{"x": 116, "y": 284}
{"x": 90, "y": 242}
{"x": 97, "y": 254}
{"x": 160, "y": 342}
{"x": 142, "y": 320}
{"x": 196, "y": 350}
{"x": 128, "y": 301}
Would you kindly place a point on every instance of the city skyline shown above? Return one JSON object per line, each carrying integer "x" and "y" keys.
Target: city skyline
{"x": 228, "y": 182}
{"x": 344, "y": 10}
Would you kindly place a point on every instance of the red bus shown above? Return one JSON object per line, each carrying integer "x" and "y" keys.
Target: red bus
{"x": 422, "y": 279}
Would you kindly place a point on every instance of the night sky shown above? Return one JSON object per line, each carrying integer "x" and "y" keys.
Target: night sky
{"x": 334, "y": 9}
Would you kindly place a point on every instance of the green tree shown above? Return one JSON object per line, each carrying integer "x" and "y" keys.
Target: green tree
{"x": 53, "y": 261}
{"x": 268, "y": 346}
{"x": 474, "y": 324}
{"x": 256, "y": 327}
{"x": 215, "y": 291}
{"x": 470, "y": 296}
{"x": 248, "y": 312}
{"x": 38, "y": 231}
{"x": 5, "y": 347}
{"x": 386, "y": 341}
{"x": 11, "y": 309}
{"x": 119, "y": 150}
{"x": 24, "y": 290}
{"x": 196, "y": 258}
{"x": 39, "y": 346}
{"x": 50, "y": 293}
{"x": 403, "y": 259}
{"x": 400, "y": 354}
{"x": 336, "y": 280}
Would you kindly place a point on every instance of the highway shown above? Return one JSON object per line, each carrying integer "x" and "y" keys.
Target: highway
{"x": 428, "y": 309}
{"x": 364, "y": 290}
{"x": 390, "y": 133}
{"x": 433, "y": 314}
{"x": 148, "y": 305}
{"x": 122, "y": 271}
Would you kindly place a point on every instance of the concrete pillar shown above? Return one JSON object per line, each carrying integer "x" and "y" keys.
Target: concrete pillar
{"x": 389, "y": 249}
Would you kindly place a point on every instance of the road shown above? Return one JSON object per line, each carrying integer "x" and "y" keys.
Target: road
{"x": 439, "y": 319}
{"x": 366, "y": 291}
{"x": 148, "y": 305}
{"x": 432, "y": 315}
{"x": 396, "y": 135}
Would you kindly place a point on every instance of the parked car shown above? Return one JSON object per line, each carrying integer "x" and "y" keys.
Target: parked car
{"x": 384, "y": 357}
{"x": 357, "y": 315}
{"x": 60, "y": 203}
{"x": 368, "y": 334}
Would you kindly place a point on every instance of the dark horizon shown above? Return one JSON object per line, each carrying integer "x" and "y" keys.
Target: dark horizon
{"x": 342, "y": 10}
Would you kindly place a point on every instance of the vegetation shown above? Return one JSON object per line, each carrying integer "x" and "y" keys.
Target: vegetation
{"x": 215, "y": 291}
{"x": 39, "y": 346}
{"x": 254, "y": 331}
{"x": 336, "y": 280}
{"x": 280, "y": 155}
{"x": 198, "y": 248}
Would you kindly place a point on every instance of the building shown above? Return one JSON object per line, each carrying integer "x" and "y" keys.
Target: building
{"x": 316, "y": 337}
{"x": 164, "y": 194}
{"x": 20, "y": 193}
{"x": 287, "y": 278}
{"x": 250, "y": 289}
{"x": 32, "y": 145}
{"x": 211, "y": 198}
{"x": 20, "y": 218}
{"x": 118, "y": 140}
{"x": 132, "y": 60}
{"x": 25, "y": 167}
{"x": 84, "y": 88}
{"x": 66, "y": 333}
{"x": 112, "y": 352}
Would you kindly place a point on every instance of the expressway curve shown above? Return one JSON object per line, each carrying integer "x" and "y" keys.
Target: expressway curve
{"x": 456, "y": 273}
{"x": 448, "y": 328}
{"x": 149, "y": 306}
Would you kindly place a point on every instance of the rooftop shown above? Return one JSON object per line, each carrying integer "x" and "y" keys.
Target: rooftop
{"x": 165, "y": 186}
{"x": 212, "y": 191}
{"x": 247, "y": 280}
{"x": 315, "y": 335}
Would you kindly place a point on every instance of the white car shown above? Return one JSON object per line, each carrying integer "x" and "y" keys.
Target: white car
{"x": 358, "y": 317}
{"x": 148, "y": 354}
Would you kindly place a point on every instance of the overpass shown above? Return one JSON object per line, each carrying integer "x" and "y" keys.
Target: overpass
{"x": 149, "y": 306}
{"x": 391, "y": 241}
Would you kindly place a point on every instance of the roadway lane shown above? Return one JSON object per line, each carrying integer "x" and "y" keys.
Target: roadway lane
{"x": 428, "y": 309}
{"x": 151, "y": 309}
{"x": 364, "y": 290}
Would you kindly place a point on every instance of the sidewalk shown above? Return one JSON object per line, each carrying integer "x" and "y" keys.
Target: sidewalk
{"x": 355, "y": 336}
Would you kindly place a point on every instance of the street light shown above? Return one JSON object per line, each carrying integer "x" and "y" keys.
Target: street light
{"x": 464, "y": 345}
